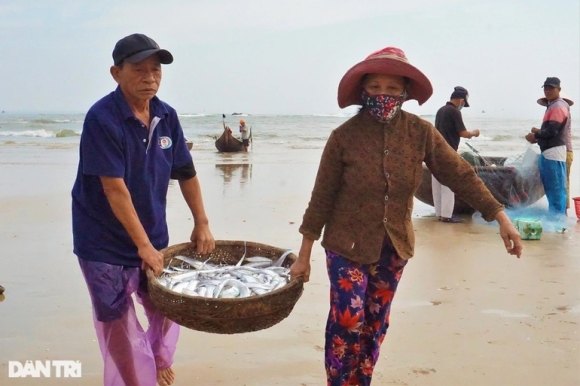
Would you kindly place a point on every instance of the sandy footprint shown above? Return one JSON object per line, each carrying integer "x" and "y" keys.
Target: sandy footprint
{"x": 423, "y": 371}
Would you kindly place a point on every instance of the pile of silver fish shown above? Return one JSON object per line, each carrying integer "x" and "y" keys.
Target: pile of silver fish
{"x": 255, "y": 275}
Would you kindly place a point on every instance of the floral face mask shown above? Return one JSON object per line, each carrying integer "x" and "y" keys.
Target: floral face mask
{"x": 383, "y": 107}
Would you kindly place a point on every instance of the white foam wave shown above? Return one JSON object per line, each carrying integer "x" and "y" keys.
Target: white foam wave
{"x": 336, "y": 115}
{"x": 46, "y": 121}
{"x": 314, "y": 138}
{"x": 29, "y": 133}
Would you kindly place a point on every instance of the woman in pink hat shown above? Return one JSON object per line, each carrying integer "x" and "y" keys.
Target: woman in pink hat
{"x": 363, "y": 198}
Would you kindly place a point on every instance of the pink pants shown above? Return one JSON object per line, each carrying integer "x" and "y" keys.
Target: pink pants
{"x": 131, "y": 356}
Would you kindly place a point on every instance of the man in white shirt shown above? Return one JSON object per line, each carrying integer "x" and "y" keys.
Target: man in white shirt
{"x": 245, "y": 134}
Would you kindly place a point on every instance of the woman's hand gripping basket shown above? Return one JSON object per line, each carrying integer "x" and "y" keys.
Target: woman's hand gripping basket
{"x": 223, "y": 315}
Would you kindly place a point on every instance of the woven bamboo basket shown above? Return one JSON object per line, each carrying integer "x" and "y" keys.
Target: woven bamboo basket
{"x": 225, "y": 316}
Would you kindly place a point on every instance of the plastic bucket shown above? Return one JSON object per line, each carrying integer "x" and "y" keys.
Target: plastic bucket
{"x": 577, "y": 206}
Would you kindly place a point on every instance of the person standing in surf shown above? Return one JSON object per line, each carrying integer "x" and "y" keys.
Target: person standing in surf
{"x": 245, "y": 134}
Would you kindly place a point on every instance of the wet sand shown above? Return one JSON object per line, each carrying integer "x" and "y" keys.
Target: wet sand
{"x": 466, "y": 313}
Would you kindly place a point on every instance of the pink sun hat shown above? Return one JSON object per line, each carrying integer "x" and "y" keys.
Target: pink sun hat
{"x": 389, "y": 60}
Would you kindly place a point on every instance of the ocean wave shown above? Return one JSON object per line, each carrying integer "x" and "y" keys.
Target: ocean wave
{"x": 194, "y": 115}
{"x": 205, "y": 139}
{"x": 67, "y": 133}
{"x": 45, "y": 121}
{"x": 336, "y": 115}
{"x": 502, "y": 137}
{"x": 42, "y": 133}
{"x": 306, "y": 146}
{"x": 318, "y": 138}
{"x": 40, "y": 122}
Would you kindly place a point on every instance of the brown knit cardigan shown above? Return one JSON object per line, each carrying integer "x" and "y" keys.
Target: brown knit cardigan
{"x": 366, "y": 180}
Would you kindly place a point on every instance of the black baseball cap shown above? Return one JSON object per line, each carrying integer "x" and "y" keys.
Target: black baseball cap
{"x": 461, "y": 92}
{"x": 552, "y": 81}
{"x": 137, "y": 47}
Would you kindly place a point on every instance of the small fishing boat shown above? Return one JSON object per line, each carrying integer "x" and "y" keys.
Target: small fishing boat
{"x": 227, "y": 143}
{"x": 513, "y": 187}
{"x": 1, "y": 288}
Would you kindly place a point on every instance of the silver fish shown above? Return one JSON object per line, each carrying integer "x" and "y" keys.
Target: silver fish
{"x": 258, "y": 259}
{"x": 280, "y": 261}
{"x": 259, "y": 275}
{"x": 259, "y": 264}
{"x": 244, "y": 291}
{"x": 230, "y": 293}
{"x": 196, "y": 263}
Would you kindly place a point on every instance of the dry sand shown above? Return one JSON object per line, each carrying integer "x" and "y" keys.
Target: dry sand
{"x": 466, "y": 313}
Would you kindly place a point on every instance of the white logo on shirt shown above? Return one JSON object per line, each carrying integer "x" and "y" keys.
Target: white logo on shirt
{"x": 165, "y": 142}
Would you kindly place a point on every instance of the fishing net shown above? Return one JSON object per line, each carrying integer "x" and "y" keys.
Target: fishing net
{"x": 514, "y": 181}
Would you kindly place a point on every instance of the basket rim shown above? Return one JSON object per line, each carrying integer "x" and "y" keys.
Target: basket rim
{"x": 297, "y": 282}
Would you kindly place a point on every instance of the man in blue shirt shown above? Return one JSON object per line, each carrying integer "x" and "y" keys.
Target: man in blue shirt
{"x": 132, "y": 144}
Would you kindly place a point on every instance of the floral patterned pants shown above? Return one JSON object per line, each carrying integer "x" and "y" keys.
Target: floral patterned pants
{"x": 360, "y": 304}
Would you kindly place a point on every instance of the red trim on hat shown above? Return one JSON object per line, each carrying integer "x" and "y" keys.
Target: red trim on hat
{"x": 394, "y": 51}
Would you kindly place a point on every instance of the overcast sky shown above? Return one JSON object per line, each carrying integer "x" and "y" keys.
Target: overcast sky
{"x": 287, "y": 57}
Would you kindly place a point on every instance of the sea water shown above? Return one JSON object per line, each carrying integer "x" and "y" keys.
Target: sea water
{"x": 272, "y": 134}
{"x": 277, "y": 139}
